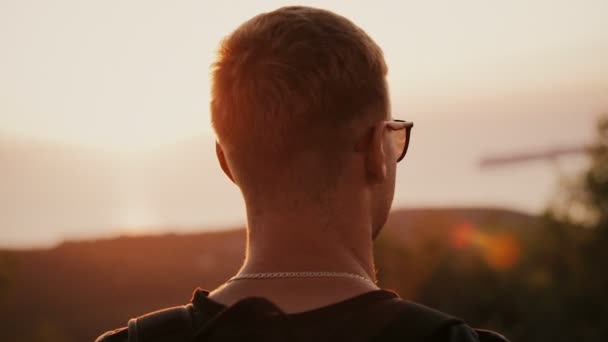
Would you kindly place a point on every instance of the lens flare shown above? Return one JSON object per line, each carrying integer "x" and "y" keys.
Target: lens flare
{"x": 500, "y": 250}
{"x": 503, "y": 251}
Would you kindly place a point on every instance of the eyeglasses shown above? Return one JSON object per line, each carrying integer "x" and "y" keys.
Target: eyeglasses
{"x": 401, "y": 134}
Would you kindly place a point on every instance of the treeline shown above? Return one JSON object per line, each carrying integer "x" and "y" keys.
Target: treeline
{"x": 553, "y": 283}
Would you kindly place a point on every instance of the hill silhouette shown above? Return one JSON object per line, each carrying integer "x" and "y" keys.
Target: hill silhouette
{"x": 78, "y": 289}
{"x": 53, "y": 191}
{"x": 69, "y": 187}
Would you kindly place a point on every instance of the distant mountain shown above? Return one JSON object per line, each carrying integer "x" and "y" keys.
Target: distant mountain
{"x": 78, "y": 289}
{"x": 56, "y": 187}
{"x": 416, "y": 241}
{"x": 50, "y": 191}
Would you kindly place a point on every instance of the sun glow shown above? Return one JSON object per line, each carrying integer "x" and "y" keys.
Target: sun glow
{"x": 500, "y": 250}
{"x": 131, "y": 75}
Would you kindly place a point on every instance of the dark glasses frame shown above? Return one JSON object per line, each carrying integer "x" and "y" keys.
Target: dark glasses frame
{"x": 398, "y": 125}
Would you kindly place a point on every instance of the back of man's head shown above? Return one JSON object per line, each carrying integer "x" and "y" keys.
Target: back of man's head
{"x": 290, "y": 84}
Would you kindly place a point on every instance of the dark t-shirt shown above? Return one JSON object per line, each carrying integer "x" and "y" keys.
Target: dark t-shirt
{"x": 330, "y": 320}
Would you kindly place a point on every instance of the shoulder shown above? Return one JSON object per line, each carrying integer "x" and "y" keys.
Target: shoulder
{"x": 117, "y": 335}
{"x": 451, "y": 332}
{"x": 464, "y": 333}
{"x": 169, "y": 316}
{"x": 419, "y": 322}
{"x": 460, "y": 332}
{"x": 490, "y": 336}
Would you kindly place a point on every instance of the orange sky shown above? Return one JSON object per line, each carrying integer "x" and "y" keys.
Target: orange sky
{"x": 131, "y": 78}
{"x": 127, "y": 75}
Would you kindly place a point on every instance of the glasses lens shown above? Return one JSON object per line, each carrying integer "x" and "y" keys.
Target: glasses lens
{"x": 400, "y": 141}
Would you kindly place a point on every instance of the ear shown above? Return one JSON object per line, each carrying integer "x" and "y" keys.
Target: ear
{"x": 375, "y": 155}
{"x": 222, "y": 159}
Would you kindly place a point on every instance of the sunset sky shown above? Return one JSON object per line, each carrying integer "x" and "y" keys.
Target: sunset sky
{"x": 131, "y": 77}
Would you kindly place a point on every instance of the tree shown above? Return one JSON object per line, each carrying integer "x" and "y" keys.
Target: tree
{"x": 582, "y": 254}
{"x": 559, "y": 289}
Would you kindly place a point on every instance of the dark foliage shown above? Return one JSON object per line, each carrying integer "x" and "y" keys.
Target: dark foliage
{"x": 557, "y": 291}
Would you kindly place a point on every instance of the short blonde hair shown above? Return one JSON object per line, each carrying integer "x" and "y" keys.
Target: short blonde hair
{"x": 284, "y": 78}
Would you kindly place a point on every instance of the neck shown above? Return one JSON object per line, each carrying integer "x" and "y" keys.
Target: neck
{"x": 300, "y": 238}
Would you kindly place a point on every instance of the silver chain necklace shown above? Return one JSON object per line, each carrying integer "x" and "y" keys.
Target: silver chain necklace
{"x": 274, "y": 275}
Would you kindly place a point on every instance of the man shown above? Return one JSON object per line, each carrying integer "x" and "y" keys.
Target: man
{"x": 301, "y": 111}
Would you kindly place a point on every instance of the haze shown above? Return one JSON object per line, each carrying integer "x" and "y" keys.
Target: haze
{"x": 104, "y": 124}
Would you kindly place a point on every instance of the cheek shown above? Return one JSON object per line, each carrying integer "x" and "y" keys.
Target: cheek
{"x": 389, "y": 191}
{"x": 383, "y": 203}
{"x": 392, "y": 176}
